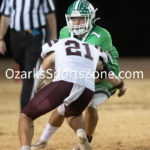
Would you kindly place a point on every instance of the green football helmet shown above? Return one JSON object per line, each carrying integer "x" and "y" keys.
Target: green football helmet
{"x": 80, "y": 8}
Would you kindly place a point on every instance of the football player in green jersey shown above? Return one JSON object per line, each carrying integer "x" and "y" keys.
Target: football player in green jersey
{"x": 80, "y": 20}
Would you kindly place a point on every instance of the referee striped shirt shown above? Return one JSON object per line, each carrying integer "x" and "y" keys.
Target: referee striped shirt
{"x": 27, "y": 14}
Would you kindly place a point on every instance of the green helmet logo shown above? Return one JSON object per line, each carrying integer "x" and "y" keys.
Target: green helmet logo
{"x": 81, "y": 9}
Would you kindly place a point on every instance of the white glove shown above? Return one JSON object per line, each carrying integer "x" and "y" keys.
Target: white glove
{"x": 39, "y": 81}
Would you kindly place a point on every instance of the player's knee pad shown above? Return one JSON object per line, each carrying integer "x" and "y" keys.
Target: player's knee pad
{"x": 61, "y": 109}
{"x": 97, "y": 99}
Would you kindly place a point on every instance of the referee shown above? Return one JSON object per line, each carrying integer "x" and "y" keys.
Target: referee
{"x": 27, "y": 20}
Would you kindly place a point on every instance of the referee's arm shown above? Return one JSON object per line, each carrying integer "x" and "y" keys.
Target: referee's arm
{"x": 4, "y": 24}
{"x": 51, "y": 22}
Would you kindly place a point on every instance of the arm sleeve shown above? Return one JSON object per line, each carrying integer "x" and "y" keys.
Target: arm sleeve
{"x": 49, "y": 6}
{"x": 5, "y": 8}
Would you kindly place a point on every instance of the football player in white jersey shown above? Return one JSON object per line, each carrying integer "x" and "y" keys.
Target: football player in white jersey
{"x": 80, "y": 19}
{"x": 67, "y": 55}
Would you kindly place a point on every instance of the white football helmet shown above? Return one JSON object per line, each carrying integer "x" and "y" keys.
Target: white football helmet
{"x": 80, "y": 8}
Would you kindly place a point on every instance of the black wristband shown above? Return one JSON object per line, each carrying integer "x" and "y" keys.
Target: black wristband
{"x": 1, "y": 39}
{"x": 121, "y": 84}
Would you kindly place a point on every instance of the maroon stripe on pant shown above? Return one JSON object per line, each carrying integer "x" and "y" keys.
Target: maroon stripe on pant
{"x": 48, "y": 99}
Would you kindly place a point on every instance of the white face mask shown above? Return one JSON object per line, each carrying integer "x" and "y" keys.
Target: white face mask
{"x": 80, "y": 27}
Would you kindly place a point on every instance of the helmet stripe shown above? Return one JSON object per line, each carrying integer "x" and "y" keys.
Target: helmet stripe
{"x": 76, "y": 6}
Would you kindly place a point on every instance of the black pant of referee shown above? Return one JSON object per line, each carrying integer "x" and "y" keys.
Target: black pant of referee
{"x": 26, "y": 48}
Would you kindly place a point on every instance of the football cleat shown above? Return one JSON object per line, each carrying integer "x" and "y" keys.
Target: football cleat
{"x": 83, "y": 140}
{"x": 38, "y": 145}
